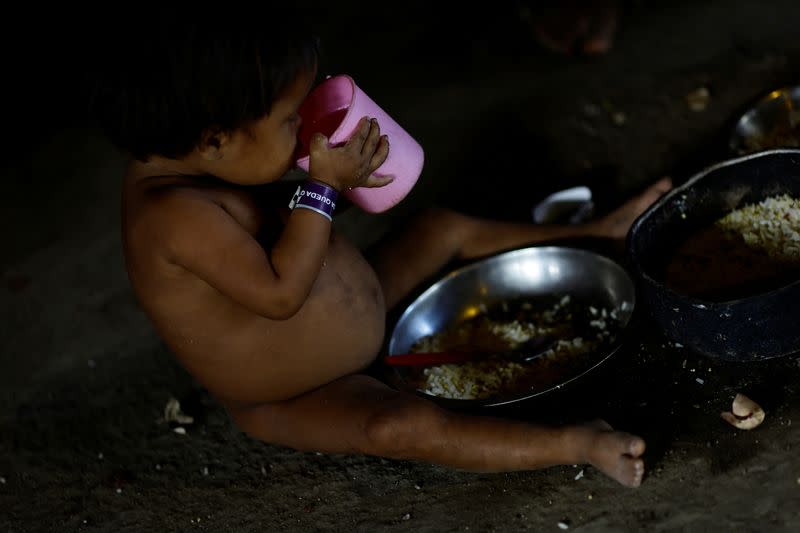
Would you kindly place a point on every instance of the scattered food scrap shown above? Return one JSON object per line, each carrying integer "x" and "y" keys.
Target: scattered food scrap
{"x": 746, "y": 414}
{"x": 173, "y": 413}
{"x": 698, "y": 99}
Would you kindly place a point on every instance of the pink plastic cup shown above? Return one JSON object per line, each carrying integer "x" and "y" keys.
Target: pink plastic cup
{"x": 334, "y": 108}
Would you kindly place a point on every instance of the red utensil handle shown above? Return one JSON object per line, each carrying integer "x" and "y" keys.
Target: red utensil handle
{"x": 428, "y": 358}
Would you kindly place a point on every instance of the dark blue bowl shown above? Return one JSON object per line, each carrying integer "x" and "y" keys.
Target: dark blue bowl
{"x": 754, "y": 328}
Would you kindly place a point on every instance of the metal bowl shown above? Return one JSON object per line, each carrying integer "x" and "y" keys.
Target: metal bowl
{"x": 773, "y": 122}
{"x": 753, "y": 328}
{"x": 529, "y": 272}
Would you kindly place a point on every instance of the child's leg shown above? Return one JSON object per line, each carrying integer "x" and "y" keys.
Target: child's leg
{"x": 437, "y": 236}
{"x": 358, "y": 414}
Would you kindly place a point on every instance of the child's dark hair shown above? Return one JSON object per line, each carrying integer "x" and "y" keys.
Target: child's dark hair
{"x": 156, "y": 90}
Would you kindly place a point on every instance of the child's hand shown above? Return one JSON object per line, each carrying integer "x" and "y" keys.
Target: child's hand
{"x": 351, "y": 165}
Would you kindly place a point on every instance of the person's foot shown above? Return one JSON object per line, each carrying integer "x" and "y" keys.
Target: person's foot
{"x": 571, "y": 26}
{"x": 617, "y": 454}
{"x": 616, "y": 224}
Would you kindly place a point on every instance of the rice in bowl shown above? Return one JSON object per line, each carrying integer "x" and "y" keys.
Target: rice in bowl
{"x": 751, "y": 250}
{"x": 771, "y": 226}
{"x": 580, "y": 330}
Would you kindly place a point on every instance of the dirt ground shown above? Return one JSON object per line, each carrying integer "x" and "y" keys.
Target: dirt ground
{"x": 84, "y": 380}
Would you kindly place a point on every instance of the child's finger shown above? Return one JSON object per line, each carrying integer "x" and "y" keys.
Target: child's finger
{"x": 372, "y": 139}
{"x": 318, "y": 142}
{"x": 380, "y": 154}
{"x": 356, "y": 143}
{"x": 378, "y": 181}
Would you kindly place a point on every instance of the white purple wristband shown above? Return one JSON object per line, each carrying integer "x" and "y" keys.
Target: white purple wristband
{"x": 315, "y": 196}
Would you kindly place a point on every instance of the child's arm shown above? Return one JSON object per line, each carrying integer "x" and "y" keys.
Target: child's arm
{"x": 211, "y": 244}
{"x": 274, "y": 283}
{"x": 358, "y": 414}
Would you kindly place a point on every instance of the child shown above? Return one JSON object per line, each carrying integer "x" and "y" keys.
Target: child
{"x": 270, "y": 309}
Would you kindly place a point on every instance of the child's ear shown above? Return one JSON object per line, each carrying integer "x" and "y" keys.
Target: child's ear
{"x": 214, "y": 144}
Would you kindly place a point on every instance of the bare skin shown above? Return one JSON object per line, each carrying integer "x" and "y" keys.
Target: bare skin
{"x": 277, "y": 315}
{"x": 573, "y": 26}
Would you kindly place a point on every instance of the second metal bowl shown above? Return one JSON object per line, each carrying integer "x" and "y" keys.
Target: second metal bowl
{"x": 773, "y": 122}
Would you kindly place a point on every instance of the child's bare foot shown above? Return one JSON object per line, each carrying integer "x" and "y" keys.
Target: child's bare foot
{"x": 617, "y": 454}
{"x": 570, "y": 26}
{"x": 617, "y": 223}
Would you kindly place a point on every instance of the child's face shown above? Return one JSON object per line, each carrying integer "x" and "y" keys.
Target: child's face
{"x": 266, "y": 150}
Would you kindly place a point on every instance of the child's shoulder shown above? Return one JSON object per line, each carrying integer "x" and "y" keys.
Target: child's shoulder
{"x": 179, "y": 213}
{"x": 159, "y": 212}
{"x": 165, "y": 200}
